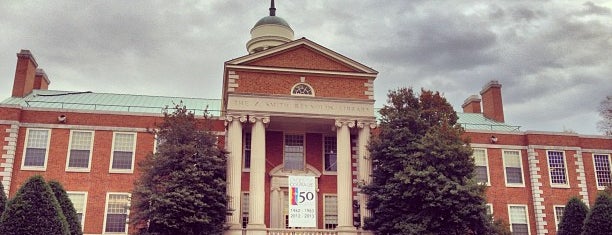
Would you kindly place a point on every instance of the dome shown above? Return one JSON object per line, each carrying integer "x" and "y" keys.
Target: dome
{"x": 272, "y": 20}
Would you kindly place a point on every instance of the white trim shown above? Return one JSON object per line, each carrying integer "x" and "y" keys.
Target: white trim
{"x": 522, "y": 169}
{"x": 303, "y": 71}
{"x": 243, "y": 159}
{"x": 498, "y": 146}
{"x": 337, "y": 212}
{"x": 486, "y": 158}
{"x": 303, "y": 150}
{"x": 106, "y": 211}
{"x": 84, "y": 206}
{"x": 83, "y": 127}
{"x": 110, "y": 166}
{"x": 490, "y": 205}
{"x": 555, "y": 215}
{"x": 324, "y": 170}
{"x": 557, "y": 185}
{"x": 601, "y": 151}
{"x": 25, "y": 147}
{"x": 91, "y": 144}
{"x": 595, "y": 169}
{"x": 526, "y": 215}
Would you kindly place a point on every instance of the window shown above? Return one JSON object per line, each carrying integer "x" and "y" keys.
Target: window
{"x": 330, "y": 217}
{"x": 294, "y": 152}
{"x": 36, "y": 152}
{"x": 329, "y": 148}
{"x": 117, "y": 210}
{"x": 247, "y": 151}
{"x": 482, "y": 166}
{"x": 513, "y": 168}
{"x": 602, "y": 170}
{"x": 519, "y": 222}
{"x": 244, "y": 206}
{"x": 302, "y": 89}
{"x": 79, "y": 200}
{"x": 489, "y": 209}
{"x": 79, "y": 156}
{"x": 556, "y": 167}
{"x": 122, "y": 159}
{"x": 558, "y": 215}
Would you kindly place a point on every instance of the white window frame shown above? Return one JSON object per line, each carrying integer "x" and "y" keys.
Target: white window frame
{"x": 595, "y": 169}
{"x": 106, "y": 212}
{"x": 526, "y": 216}
{"x": 325, "y": 171}
{"x": 565, "y": 170}
{"x": 337, "y": 212}
{"x": 25, "y": 147}
{"x": 84, "y": 207}
{"x": 91, "y": 144}
{"x": 302, "y": 83}
{"x": 486, "y": 157}
{"x": 522, "y": 169}
{"x": 244, "y": 150}
{"x": 557, "y": 219}
{"x": 110, "y": 165}
{"x": 490, "y": 206}
{"x": 242, "y": 194}
{"x": 303, "y": 150}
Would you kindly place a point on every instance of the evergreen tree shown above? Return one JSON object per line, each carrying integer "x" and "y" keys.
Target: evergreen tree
{"x": 599, "y": 220}
{"x": 2, "y": 199}
{"x": 33, "y": 210}
{"x": 182, "y": 189}
{"x": 423, "y": 170}
{"x": 67, "y": 208}
{"x": 573, "y": 217}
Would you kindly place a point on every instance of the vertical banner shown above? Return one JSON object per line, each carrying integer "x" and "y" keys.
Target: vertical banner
{"x": 302, "y": 201}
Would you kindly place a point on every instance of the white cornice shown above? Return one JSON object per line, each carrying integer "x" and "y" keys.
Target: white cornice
{"x": 308, "y": 71}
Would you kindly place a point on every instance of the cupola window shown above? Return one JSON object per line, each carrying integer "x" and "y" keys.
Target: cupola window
{"x": 302, "y": 89}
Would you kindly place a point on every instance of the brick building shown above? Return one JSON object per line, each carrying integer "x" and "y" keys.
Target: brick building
{"x": 289, "y": 108}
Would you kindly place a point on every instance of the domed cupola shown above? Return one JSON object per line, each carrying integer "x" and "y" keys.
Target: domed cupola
{"x": 268, "y": 32}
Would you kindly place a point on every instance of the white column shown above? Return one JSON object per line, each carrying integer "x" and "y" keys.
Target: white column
{"x": 234, "y": 170}
{"x": 365, "y": 165}
{"x": 275, "y": 210}
{"x": 344, "y": 177}
{"x": 257, "y": 177}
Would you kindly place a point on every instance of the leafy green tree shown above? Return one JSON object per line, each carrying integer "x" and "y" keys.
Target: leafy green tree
{"x": 182, "y": 189}
{"x": 573, "y": 217}
{"x": 33, "y": 210}
{"x": 423, "y": 171}
{"x": 2, "y": 199}
{"x": 599, "y": 220}
{"x": 67, "y": 208}
{"x": 501, "y": 227}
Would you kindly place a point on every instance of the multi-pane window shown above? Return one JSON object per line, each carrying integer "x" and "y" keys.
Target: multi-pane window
{"x": 482, "y": 167}
{"x": 330, "y": 219}
{"x": 602, "y": 170}
{"x": 329, "y": 147}
{"x": 79, "y": 200}
{"x": 117, "y": 209}
{"x": 35, "y": 154}
{"x": 302, "y": 89}
{"x": 513, "y": 168}
{"x": 80, "y": 150}
{"x": 294, "y": 152}
{"x": 519, "y": 223}
{"x": 247, "y": 150}
{"x": 244, "y": 207}
{"x": 489, "y": 209}
{"x": 558, "y": 215}
{"x": 123, "y": 151}
{"x": 556, "y": 166}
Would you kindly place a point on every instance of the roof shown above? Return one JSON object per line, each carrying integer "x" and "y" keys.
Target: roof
{"x": 475, "y": 121}
{"x": 272, "y": 20}
{"x": 111, "y": 102}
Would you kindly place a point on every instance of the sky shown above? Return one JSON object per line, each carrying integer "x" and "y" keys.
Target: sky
{"x": 553, "y": 58}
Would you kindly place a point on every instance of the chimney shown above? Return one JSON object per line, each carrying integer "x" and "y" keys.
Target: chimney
{"x": 41, "y": 81}
{"x": 471, "y": 104}
{"x": 24, "y": 74}
{"x": 492, "y": 105}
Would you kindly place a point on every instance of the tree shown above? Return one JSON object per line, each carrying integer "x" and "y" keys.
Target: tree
{"x": 598, "y": 221}
{"x": 573, "y": 217}
{"x": 67, "y": 207}
{"x": 182, "y": 189}
{"x": 605, "y": 111}
{"x": 2, "y": 199}
{"x": 422, "y": 182}
{"x": 33, "y": 210}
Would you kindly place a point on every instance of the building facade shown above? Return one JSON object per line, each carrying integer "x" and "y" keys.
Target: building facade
{"x": 289, "y": 108}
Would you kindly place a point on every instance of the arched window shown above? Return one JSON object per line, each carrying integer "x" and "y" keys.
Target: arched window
{"x": 302, "y": 89}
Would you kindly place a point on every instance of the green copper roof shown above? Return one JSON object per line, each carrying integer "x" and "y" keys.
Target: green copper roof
{"x": 112, "y": 102}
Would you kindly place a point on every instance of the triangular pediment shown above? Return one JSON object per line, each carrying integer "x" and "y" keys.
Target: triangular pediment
{"x": 302, "y": 54}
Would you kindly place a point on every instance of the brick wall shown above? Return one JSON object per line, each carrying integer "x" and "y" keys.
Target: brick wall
{"x": 304, "y": 58}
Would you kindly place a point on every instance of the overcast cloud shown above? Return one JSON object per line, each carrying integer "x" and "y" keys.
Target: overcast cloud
{"x": 553, "y": 58}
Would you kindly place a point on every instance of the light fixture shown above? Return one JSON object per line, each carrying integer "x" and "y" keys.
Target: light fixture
{"x": 62, "y": 118}
{"x": 493, "y": 139}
